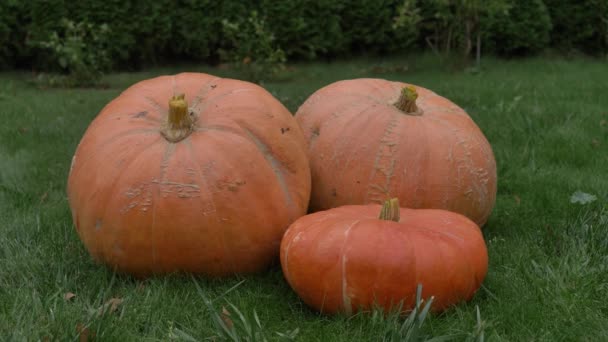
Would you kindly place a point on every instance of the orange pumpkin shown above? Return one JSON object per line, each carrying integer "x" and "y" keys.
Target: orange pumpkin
{"x": 348, "y": 258}
{"x": 158, "y": 186}
{"x": 372, "y": 139}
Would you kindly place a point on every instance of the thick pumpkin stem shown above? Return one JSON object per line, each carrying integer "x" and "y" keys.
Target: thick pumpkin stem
{"x": 407, "y": 101}
{"x": 179, "y": 123}
{"x": 390, "y": 210}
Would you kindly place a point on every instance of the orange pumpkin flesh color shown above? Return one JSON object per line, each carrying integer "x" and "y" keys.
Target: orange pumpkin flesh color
{"x": 347, "y": 259}
{"x": 371, "y": 139}
{"x": 160, "y": 185}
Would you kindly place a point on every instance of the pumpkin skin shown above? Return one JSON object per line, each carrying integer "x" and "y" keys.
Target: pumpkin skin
{"x": 346, "y": 259}
{"x": 145, "y": 205}
{"x": 362, "y": 149}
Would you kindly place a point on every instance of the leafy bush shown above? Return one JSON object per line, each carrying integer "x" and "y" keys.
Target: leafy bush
{"x": 524, "y": 29}
{"x": 6, "y": 22}
{"x": 455, "y": 27}
{"x": 579, "y": 25}
{"x": 306, "y": 29}
{"x": 193, "y": 28}
{"x": 198, "y": 29}
{"x": 252, "y": 47}
{"x": 140, "y": 30}
{"x": 407, "y": 18}
{"x": 375, "y": 25}
{"x": 80, "y": 51}
{"x": 144, "y": 33}
{"x": 405, "y": 24}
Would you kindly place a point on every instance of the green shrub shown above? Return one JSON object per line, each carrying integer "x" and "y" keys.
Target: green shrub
{"x": 14, "y": 51}
{"x": 252, "y": 48}
{"x": 44, "y": 19}
{"x": 405, "y": 25}
{"x": 524, "y": 29}
{"x": 197, "y": 27}
{"x": 144, "y": 33}
{"x": 369, "y": 25}
{"x": 194, "y": 29}
{"x": 5, "y": 31}
{"x": 7, "y": 21}
{"x": 80, "y": 50}
{"x": 579, "y": 25}
{"x": 152, "y": 32}
{"x": 306, "y": 29}
{"x": 407, "y": 19}
{"x": 459, "y": 27}
{"x": 140, "y": 30}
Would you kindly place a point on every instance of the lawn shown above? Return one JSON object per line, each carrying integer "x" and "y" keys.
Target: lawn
{"x": 547, "y": 121}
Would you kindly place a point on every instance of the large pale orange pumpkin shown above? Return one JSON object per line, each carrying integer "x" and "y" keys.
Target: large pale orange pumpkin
{"x": 158, "y": 186}
{"x": 351, "y": 258}
{"x": 372, "y": 139}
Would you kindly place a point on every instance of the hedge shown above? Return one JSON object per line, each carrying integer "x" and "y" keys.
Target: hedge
{"x": 151, "y": 32}
{"x": 579, "y": 25}
{"x": 525, "y": 29}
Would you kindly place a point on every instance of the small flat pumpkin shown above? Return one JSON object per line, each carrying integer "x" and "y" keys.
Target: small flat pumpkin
{"x": 350, "y": 258}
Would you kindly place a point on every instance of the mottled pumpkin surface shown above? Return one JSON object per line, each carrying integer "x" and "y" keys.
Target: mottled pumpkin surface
{"x": 363, "y": 149}
{"x": 216, "y": 202}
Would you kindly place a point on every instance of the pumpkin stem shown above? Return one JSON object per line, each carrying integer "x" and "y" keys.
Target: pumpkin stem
{"x": 390, "y": 210}
{"x": 407, "y": 101}
{"x": 179, "y": 123}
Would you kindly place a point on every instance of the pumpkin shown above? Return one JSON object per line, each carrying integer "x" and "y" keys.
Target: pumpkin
{"x": 350, "y": 258}
{"x": 189, "y": 173}
{"x": 372, "y": 139}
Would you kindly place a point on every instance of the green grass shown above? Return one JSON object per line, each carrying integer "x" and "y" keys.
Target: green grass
{"x": 548, "y": 275}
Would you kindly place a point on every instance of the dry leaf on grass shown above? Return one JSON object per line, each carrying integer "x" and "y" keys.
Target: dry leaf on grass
{"x": 517, "y": 199}
{"x": 110, "y": 306}
{"x": 68, "y": 296}
{"x": 226, "y": 317}
{"x": 84, "y": 334}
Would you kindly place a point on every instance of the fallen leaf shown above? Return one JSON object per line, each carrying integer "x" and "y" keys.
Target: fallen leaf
{"x": 582, "y": 197}
{"x": 114, "y": 303}
{"x": 110, "y": 306}
{"x": 68, "y": 296}
{"x": 84, "y": 334}
{"x": 603, "y": 123}
{"x": 23, "y": 129}
{"x": 43, "y": 197}
{"x": 517, "y": 199}
{"x": 595, "y": 142}
{"x": 225, "y": 315}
